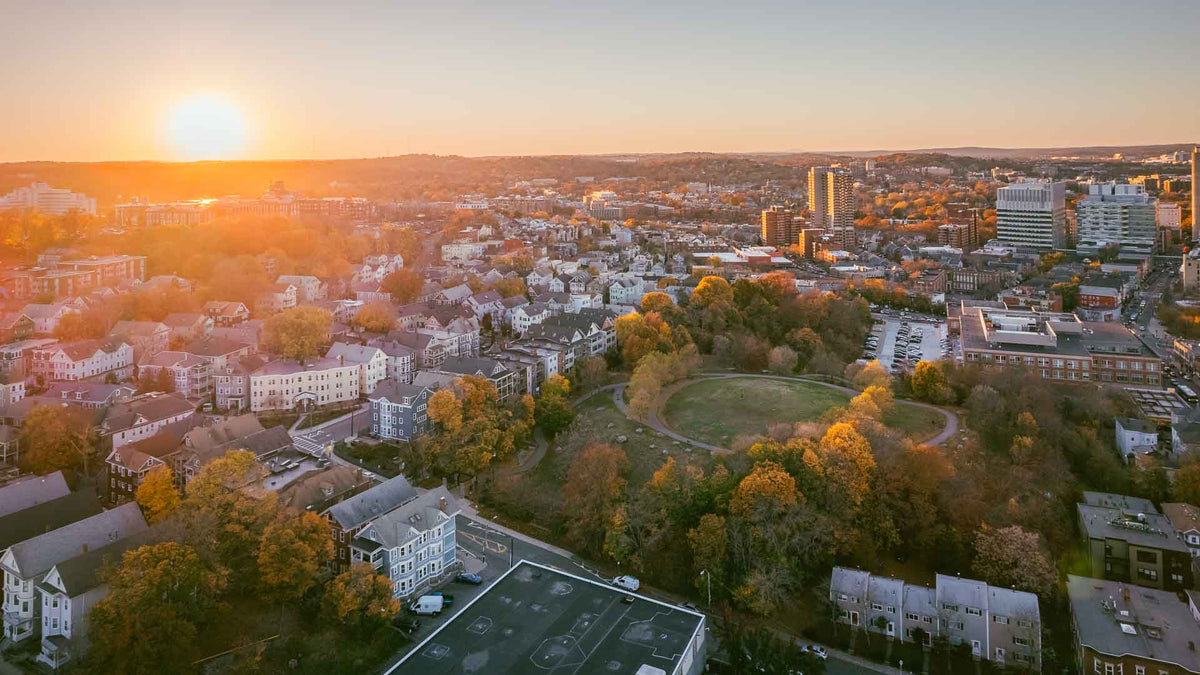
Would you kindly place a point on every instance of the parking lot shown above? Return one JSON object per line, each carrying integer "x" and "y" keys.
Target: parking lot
{"x": 899, "y": 343}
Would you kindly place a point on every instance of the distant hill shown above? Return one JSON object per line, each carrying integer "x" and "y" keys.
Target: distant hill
{"x": 1134, "y": 151}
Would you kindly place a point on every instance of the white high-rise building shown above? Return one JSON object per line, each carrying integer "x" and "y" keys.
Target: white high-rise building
{"x": 1170, "y": 216}
{"x": 1116, "y": 213}
{"x": 831, "y": 205}
{"x": 52, "y": 201}
{"x": 1032, "y": 214}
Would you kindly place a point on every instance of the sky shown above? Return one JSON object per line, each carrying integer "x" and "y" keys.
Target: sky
{"x": 248, "y": 80}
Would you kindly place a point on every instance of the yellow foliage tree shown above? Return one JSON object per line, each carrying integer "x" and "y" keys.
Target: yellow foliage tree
{"x": 157, "y": 495}
{"x": 446, "y": 410}
{"x": 292, "y": 553}
{"x": 768, "y": 486}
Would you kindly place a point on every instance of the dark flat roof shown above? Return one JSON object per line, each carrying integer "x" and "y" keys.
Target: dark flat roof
{"x": 538, "y": 619}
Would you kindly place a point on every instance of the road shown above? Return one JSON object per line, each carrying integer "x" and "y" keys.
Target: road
{"x": 334, "y": 431}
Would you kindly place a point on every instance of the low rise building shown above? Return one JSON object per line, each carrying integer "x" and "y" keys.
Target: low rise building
{"x": 1135, "y": 437}
{"x": 414, "y": 545}
{"x": 1000, "y": 625}
{"x": 1138, "y": 546}
{"x": 82, "y": 360}
{"x": 288, "y": 385}
{"x": 348, "y": 518}
{"x": 1185, "y": 518}
{"x": 398, "y": 411}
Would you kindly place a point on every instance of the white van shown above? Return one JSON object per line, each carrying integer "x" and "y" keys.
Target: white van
{"x": 628, "y": 583}
{"x": 427, "y": 605}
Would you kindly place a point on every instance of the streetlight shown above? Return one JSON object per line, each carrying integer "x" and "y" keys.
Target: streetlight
{"x": 708, "y": 578}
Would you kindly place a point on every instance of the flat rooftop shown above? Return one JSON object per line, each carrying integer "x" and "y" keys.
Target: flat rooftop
{"x": 539, "y": 619}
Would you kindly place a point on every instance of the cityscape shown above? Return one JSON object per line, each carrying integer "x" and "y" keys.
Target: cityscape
{"x": 623, "y": 339}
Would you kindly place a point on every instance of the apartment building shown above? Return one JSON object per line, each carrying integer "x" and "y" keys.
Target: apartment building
{"x": 1058, "y": 347}
{"x": 504, "y": 379}
{"x": 226, "y": 313}
{"x": 372, "y": 363}
{"x": 190, "y": 375}
{"x": 351, "y": 516}
{"x": 288, "y": 385}
{"x": 780, "y": 226}
{"x": 110, "y": 270}
{"x": 413, "y": 545}
{"x": 143, "y": 416}
{"x": 82, "y": 359}
{"x": 25, "y": 564}
{"x": 1001, "y": 625}
{"x": 1032, "y": 214}
{"x": 308, "y": 288}
{"x": 401, "y": 358}
{"x": 398, "y": 410}
{"x": 1185, "y": 518}
{"x": 1131, "y": 542}
{"x": 1116, "y": 213}
{"x": 49, "y": 200}
{"x": 281, "y": 296}
{"x": 831, "y": 205}
{"x": 1119, "y": 629}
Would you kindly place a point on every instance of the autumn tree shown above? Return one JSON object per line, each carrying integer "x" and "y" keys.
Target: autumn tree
{"x": 1014, "y": 557}
{"x": 377, "y": 317}
{"x": 445, "y": 410}
{"x": 640, "y": 334}
{"x": 293, "y": 552}
{"x": 1186, "y": 487}
{"x": 223, "y": 518}
{"x": 54, "y": 438}
{"x": 359, "y": 599}
{"x": 708, "y": 542}
{"x": 864, "y": 375}
{"x": 781, "y": 360}
{"x": 929, "y": 383}
{"x": 297, "y": 333}
{"x": 768, "y": 488}
{"x": 404, "y": 285}
{"x": 511, "y": 287}
{"x": 592, "y": 492}
{"x": 159, "y": 598}
{"x": 157, "y": 494}
{"x": 846, "y": 461}
{"x": 554, "y": 412}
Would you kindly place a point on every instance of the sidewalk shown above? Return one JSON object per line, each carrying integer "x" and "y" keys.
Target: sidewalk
{"x": 468, "y": 509}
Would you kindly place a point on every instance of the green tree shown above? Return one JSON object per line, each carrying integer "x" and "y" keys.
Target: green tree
{"x": 158, "y": 599}
{"x": 297, "y": 333}
{"x": 929, "y": 383}
{"x": 553, "y": 411}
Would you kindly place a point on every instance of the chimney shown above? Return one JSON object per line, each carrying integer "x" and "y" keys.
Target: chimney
{"x": 1125, "y": 594}
{"x": 442, "y": 504}
{"x": 85, "y": 547}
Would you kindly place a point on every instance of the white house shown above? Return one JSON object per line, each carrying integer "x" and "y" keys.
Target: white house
{"x": 83, "y": 359}
{"x": 1135, "y": 436}
{"x": 524, "y": 317}
{"x": 372, "y": 363}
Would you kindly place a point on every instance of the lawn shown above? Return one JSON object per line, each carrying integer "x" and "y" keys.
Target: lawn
{"x": 718, "y": 411}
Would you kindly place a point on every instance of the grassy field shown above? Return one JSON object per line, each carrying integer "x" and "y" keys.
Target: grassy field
{"x": 718, "y": 411}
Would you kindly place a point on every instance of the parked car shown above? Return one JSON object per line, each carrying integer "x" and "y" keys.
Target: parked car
{"x": 407, "y": 624}
{"x": 447, "y": 598}
{"x": 468, "y": 578}
{"x": 816, "y": 650}
{"x": 427, "y": 605}
{"x": 627, "y": 582}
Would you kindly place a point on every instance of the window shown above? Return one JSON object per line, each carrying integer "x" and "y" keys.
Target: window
{"x": 996, "y": 618}
{"x": 912, "y": 617}
{"x": 1020, "y": 641}
{"x": 949, "y": 607}
{"x": 971, "y": 611}
{"x": 877, "y": 607}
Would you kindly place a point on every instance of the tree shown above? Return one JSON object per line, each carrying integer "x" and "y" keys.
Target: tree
{"x": 377, "y": 317}
{"x": 158, "y": 598}
{"x": 1186, "y": 487}
{"x": 866, "y": 375}
{"x": 222, "y": 518}
{"x": 297, "y": 333}
{"x": 708, "y": 542}
{"x": 446, "y": 410}
{"x": 712, "y": 291}
{"x": 157, "y": 495}
{"x": 553, "y": 411}
{"x": 360, "y": 599}
{"x": 846, "y": 461}
{"x": 54, "y": 439}
{"x": 293, "y": 551}
{"x": 767, "y": 488}
{"x": 929, "y": 383}
{"x": 590, "y": 372}
{"x": 511, "y": 287}
{"x": 592, "y": 491}
{"x": 657, "y": 302}
{"x": 781, "y": 360}
{"x": 1014, "y": 557}
{"x": 404, "y": 285}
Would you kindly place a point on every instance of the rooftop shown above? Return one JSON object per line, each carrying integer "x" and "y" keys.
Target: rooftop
{"x": 535, "y": 618}
{"x": 1118, "y": 619}
{"x": 1140, "y": 528}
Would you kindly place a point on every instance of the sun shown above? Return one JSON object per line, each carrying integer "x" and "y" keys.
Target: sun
{"x": 205, "y": 126}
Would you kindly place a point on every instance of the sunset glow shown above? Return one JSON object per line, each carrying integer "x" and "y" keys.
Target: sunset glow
{"x": 206, "y": 127}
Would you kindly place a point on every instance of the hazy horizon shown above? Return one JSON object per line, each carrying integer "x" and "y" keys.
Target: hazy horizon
{"x": 149, "y": 82}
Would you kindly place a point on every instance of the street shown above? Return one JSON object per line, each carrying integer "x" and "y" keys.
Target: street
{"x": 334, "y": 432}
